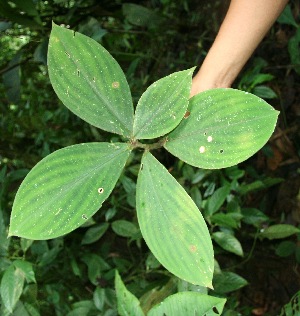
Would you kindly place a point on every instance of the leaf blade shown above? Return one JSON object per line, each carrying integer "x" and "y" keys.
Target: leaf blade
{"x": 66, "y": 188}
{"x": 228, "y": 242}
{"x": 94, "y": 233}
{"x": 279, "y": 231}
{"x": 128, "y": 304}
{"x": 225, "y": 127}
{"x": 189, "y": 303}
{"x": 172, "y": 225}
{"x": 163, "y": 105}
{"x": 89, "y": 81}
{"x": 226, "y": 282}
{"x": 11, "y": 287}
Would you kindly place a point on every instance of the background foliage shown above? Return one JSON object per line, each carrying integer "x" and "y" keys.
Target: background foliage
{"x": 257, "y": 265}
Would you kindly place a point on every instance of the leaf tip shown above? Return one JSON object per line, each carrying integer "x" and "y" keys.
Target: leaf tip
{"x": 210, "y": 286}
{"x": 11, "y": 234}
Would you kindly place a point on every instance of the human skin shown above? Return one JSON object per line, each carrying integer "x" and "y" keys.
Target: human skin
{"x": 244, "y": 26}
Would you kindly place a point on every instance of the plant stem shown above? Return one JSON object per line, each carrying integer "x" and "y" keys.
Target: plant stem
{"x": 147, "y": 147}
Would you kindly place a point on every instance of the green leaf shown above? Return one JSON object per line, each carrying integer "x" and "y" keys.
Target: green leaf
{"x": 30, "y": 309}
{"x": 286, "y": 248}
{"x": 227, "y": 220}
{"x": 66, "y": 188}
{"x": 163, "y": 105}
{"x": 293, "y": 48}
{"x": 141, "y": 16}
{"x": 95, "y": 266}
{"x": 260, "y": 78}
{"x": 27, "y": 6}
{"x": 287, "y": 17}
{"x": 12, "y": 78}
{"x": 279, "y": 231}
{"x": 81, "y": 308}
{"x": 258, "y": 185}
{"x": 26, "y": 268}
{"x": 152, "y": 262}
{"x": 128, "y": 304}
{"x": 228, "y": 242}
{"x": 99, "y": 298}
{"x": 124, "y": 228}
{"x": 89, "y": 81}
{"x": 11, "y": 287}
{"x": 216, "y": 200}
{"x": 196, "y": 196}
{"x": 189, "y": 303}
{"x": 183, "y": 286}
{"x": 25, "y": 244}
{"x": 264, "y": 92}
{"x": 172, "y": 225}
{"x": 226, "y": 282}
{"x": 13, "y": 14}
{"x": 94, "y": 233}
{"x": 158, "y": 294}
{"x": 225, "y": 127}
{"x": 292, "y": 307}
{"x": 253, "y": 216}
{"x": 4, "y": 241}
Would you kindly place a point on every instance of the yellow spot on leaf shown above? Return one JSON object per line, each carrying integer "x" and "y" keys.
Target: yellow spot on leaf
{"x": 115, "y": 84}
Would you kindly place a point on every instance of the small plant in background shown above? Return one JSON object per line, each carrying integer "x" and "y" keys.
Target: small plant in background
{"x": 215, "y": 129}
{"x": 294, "y": 42}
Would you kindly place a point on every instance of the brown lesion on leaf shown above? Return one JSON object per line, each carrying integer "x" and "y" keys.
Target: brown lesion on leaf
{"x": 193, "y": 248}
{"x": 187, "y": 114}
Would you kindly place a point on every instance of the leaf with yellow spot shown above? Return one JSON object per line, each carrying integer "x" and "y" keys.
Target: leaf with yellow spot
{"x": 224, "y": 127}
{"x": 65, "y": 189}
{"x": 172, "y": 224}
{"x": 89, "y": 81}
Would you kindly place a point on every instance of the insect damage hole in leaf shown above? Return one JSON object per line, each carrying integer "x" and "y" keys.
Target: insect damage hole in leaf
{"x": 79, "y": 178}
{"x": 245, "y": 123}
{"x": 100, "y": 190}
{"x": 215, "y": 310}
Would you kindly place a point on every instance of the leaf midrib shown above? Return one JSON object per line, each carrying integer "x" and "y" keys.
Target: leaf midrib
{"x": 100, "y": 96}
